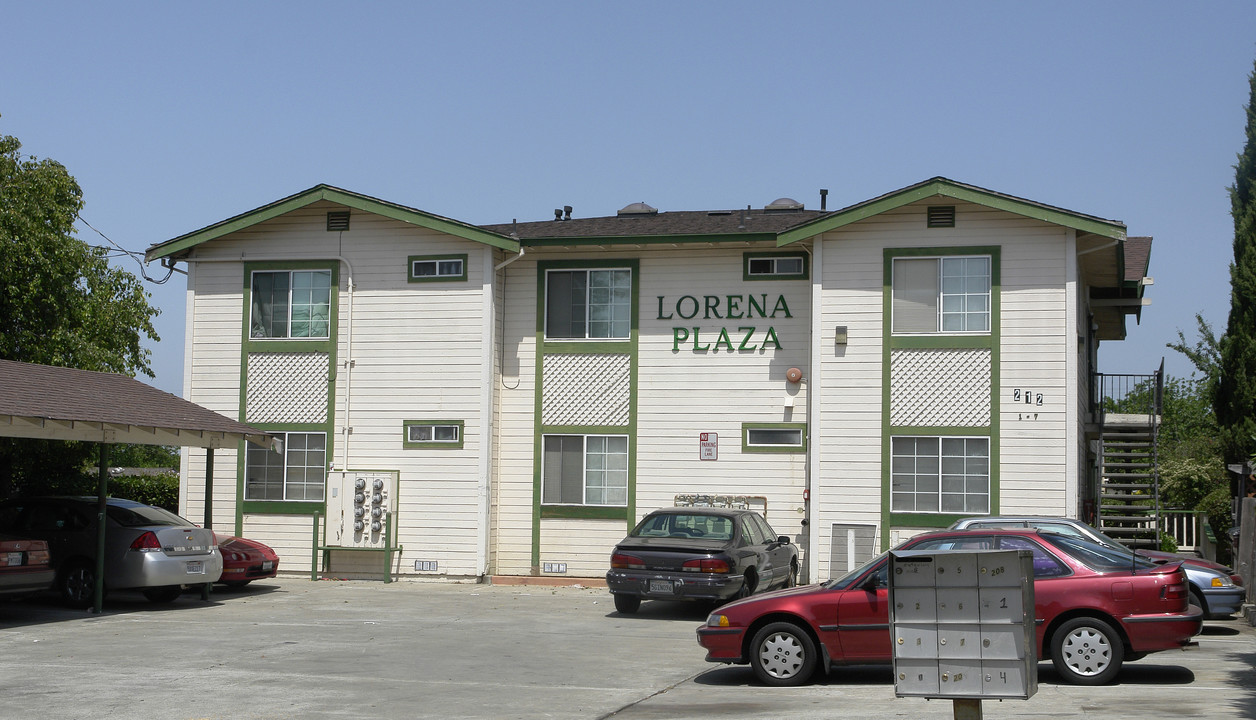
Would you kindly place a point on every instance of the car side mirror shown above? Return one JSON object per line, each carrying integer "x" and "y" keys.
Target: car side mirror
{"x": 783, "y": 540}
{"x": 873, "y": 582}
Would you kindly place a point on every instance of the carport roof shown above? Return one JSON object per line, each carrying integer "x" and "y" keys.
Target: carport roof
{"x": 55, "y": 403}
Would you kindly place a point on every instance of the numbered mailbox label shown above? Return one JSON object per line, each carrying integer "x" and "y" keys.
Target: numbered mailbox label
{"x": 1003, "y": 679}
{"x": 1003, "y": 642}
{"x": 959, "y": 678}
{"x": 999, "y": 574}
{"x": 959, "y": 641}
{"x": 958, "y": 605}
{"x": 916, "y": 677}
{"x": 959, "y": 570}
{"x": 912, "y": 604}
{"x": 913, "y": 573}
{"x": 1002, "y": 605}
{"x": 916, "y": 641}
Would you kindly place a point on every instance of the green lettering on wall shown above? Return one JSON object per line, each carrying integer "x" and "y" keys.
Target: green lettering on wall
{"x": 668, "y": 316}
{"x": 771, "y": 338}
{"x": 734, "y": 307}
{"x": 681, "y": 312}
{"x": 696, "y": 346}
{"x": 754, "y": 304}
{"x": 746, "y": 340}
{"x": 712, "y": 306}
{"x": 679, "y": 335}
{"x": 723, "y": 340}
{"x": 780, "y": 305}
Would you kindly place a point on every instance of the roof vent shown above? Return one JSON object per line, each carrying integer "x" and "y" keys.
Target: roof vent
{"x": 941, "y": 216}
{"x": 638, "y": 208}
{"x": 337, "y": 220}
{"x": 783, "y": 204}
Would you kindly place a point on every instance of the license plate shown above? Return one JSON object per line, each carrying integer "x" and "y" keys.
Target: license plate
{"x": 13, "y": 559}
{"x": 196, "y": 567}
{"x": 267, "y": 565}
{"x": 660, "y": 586}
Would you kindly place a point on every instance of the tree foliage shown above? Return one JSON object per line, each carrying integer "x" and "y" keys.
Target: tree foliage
{"x": 1235, "y": 397}
{"x": 61, "y": 303}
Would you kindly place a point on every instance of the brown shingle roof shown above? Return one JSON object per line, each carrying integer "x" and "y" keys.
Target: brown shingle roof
{"x": 1137, "y": 258}
{"x": 663, "y": 224}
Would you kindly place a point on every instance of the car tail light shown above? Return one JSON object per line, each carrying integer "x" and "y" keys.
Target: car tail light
{"x": 624, "y": 561}
{"x": 706, "y": 565}
{"x": 38, "y": 557}
{"x": 146, "y": 542}
{"x": 1176, "y": 591}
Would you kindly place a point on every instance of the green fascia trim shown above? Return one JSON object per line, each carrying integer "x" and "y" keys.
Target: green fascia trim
{"x": 944, "y": 431}
{"x": 647, "y": 240}
{"x": 339, "y": 196}
{"x": 410, "y": 277}
{"x": 543, "y": 347}
{"x": 889, "y": 343}
{"x": 584, "y": 512}
{"x": 407, "y": 444}
{"x": 748, "y": 256}
{"x": 747, "y": 448}
{"x": 951, "y": 189}
{"x": 282, "y": 507}
{"x": 929, "y": 520}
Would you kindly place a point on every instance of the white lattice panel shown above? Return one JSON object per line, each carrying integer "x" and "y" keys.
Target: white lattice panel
{"x": 287, "y": 387}
{"x": 940, "y": 388}
{"x": 586, "y": 390}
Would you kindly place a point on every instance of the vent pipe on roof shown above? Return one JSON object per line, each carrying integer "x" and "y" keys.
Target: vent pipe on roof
{"x": 566, "y": 212}
{"x": 824, "y": 199}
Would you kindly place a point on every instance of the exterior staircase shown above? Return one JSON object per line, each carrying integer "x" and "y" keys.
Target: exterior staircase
{"x": 1128, "y": 491}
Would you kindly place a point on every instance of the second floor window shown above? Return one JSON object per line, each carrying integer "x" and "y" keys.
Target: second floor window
{"x": 588, "y": 304}
{"x": 942, "y": 295}
{"x": 291, "y": 304}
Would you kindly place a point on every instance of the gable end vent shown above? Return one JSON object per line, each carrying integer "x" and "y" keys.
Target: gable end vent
{"x": 337, "y": 220}
{"x": 941, "y": 216}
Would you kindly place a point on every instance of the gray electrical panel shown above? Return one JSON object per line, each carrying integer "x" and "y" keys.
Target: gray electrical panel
{"x": 962, "y": 624}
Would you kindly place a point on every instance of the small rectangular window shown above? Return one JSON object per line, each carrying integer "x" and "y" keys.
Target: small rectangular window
{"x": 774, "y": 437}
{"x": 940, "y": 474}
{"x": 435, "y": 268}
{"x": 296, "y": 474}
{"x": 588, "y": 304}
{"x": 432, "y": 434}
{"x": 290, "y": 304}
{"x": 941, "y": 295}
{"x": 764, "y": 266}
{"x": 584, "y": 470}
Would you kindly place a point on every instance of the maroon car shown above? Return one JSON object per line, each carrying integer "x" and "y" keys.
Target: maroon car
{"x": 244, "y": 560}
{"x": 24, "y": 566}
{"x": 1094, "y": 610}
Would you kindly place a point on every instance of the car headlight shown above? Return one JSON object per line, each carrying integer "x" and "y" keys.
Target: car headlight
{"x": 718, "y": 620}
{"x": 1222, "y": 582}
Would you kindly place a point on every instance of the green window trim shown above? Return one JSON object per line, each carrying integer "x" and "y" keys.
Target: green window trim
{"x": 281, "y": 507}
{"x": 746, "y": 447}
{"x": 460, "y": 277}
{"x": 749, "y": 277}
{"x": 586, "y": 512}
{"x": 409, "y": 444}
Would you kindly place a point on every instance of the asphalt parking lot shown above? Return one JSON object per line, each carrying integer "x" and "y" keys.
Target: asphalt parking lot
{"x": 293, "y": 648}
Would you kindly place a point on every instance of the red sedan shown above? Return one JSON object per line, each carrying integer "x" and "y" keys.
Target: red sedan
{"x": 244, "y": 560}
{"x": 1093, "y": 612}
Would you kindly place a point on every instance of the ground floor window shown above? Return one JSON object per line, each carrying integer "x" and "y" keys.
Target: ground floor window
{"x": 584, "y": 470}
{"x": 940, "y": 474}
{"x": 298, "y": 473}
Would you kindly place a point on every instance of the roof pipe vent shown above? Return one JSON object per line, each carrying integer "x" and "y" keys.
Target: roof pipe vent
{"x": 824, "y": 199}
{"x": 566, "y": 212}
{"x": 784, "y": 203}
{"x": 638, "y": 208}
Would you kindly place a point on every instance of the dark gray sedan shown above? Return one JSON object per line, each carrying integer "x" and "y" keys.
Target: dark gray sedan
{"x": 698, "y": 553}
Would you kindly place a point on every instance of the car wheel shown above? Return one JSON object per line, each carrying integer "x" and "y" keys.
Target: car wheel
{"x": 791, "y": 580}
{"x": 1087, "y": 651}
{"x": 748, "y": 584}
{"x": 783, "y": 655}
{"x": 627, "y": 604}
{"x": 163, "y": 594}
{"x": 78, "y": 584}
{"x": 1197, "y": 598}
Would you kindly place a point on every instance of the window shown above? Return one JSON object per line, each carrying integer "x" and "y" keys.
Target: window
{"x": 942, "y": 295}
{"x": 584, "y": 470}
{"x": 764, "y": 266}
{"x": 297, "y": 474}
{"x": 432, "y": 434}
{"x": 588, "y": 304}
{"x": 432, "y": 268}
{"x": 291, "y": 304}
{"x": 1044, "y": 564}
{"x": 773, "y": 437}
{"x": 940, "y": 474}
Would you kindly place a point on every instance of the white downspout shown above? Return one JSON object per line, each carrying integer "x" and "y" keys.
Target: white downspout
{"x": 814, "y": 388}
{"x": 1072, "y": 378}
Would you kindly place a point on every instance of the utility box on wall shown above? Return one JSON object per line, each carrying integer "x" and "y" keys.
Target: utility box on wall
{"x": 962, "y": 624}
{"x": 361, "y": 508}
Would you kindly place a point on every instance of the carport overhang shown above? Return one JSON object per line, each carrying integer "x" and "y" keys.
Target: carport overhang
{"x": 54, "y": 403}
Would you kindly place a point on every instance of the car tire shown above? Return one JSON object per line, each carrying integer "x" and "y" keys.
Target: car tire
{"x": 163, "y": 594}
{"x": 77, "y": 584}
{"x": 1087, "y": 651}
{"x": 791, "y": 580}
{"x": 627, "y": 604}
{"x": 1197, "y": 598}
{"x": 783, "y": 655}
{"x": 748, "y": 585}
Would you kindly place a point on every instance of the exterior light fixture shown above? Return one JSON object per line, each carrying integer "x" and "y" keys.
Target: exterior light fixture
{"x": 840, "y": 337}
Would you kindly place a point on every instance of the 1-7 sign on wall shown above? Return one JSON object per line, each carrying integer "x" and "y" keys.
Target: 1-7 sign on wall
{"x": 708, "y": 446}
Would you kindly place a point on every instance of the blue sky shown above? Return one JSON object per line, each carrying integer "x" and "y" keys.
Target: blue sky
{"x": 173, "y": 116}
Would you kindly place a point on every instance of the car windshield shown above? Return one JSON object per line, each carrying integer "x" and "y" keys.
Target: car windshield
{"x": 144, "y": 515}
{"x": 685, "y": 525}
{"x": 1095, "y": 556}
{"x": 843, "y": 582}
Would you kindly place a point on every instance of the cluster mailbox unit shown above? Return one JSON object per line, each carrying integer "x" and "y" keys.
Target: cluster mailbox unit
{"x": 962, "y": 624}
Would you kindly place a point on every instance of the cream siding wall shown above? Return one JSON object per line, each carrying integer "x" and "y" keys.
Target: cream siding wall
{"x": 1033, "y": 455}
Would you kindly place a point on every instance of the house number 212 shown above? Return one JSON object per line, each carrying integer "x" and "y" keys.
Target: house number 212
{"x": 1029, "y": 397}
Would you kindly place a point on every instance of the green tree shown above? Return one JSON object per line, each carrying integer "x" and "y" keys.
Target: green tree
{"x": 61, "y": 303}
{"x": 1235, "y": 397}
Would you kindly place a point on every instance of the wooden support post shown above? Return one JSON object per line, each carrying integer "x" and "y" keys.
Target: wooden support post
{"x": 967, "y": 708}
